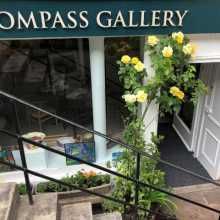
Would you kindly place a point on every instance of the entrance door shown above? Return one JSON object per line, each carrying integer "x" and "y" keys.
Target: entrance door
{"x": 208, "y": 150}
{"x": 185, "y": 122}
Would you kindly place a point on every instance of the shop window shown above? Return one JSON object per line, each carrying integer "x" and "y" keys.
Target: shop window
{"x": 116, "y": 112}
{"x": 51, "y": 74}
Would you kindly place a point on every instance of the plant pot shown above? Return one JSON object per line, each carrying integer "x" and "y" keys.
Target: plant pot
{"x": 74, "y": 195}
{"x": 77, "y": 195}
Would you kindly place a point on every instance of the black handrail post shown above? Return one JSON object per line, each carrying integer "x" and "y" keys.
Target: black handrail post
{"x": 24, "y": 165}
{"x": 137, "y": 175}
{"x": 17, "y": 123}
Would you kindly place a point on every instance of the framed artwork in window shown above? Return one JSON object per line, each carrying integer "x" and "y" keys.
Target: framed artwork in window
{"x": 82, "y": 150}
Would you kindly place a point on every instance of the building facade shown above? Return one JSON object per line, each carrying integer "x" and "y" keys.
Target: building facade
{"x": 61, "y": 56}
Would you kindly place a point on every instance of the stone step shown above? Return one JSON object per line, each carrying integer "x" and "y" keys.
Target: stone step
{"x": 108, "y": 216}
{"x": 9, "y": 198}
{"x": 77, "y": 211}
{"x": 44, "y": 208}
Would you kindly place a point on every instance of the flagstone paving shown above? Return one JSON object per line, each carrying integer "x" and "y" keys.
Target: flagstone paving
{"x": 207, "y": 194}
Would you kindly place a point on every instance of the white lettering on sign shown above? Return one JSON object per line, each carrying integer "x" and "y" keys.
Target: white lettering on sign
{"x": 83, "y": 18}
{"x": 133, "y": 19}
{"x": 80, "y": 19}
{"x": 101, "y": 14}
{"x": 71, "y": 16}
{"x": 168, "y": 19}
{"x": 155, "y": 18}
{"x": 45, "y": 17}
{"x": 10, "y": 19}
{"x": 142, "y": 20}
{"x": 181, "y": 17}
{"x": 26, "y": 23}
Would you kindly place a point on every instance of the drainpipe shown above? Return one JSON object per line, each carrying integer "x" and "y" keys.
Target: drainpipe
{"x": 97, "y": 67}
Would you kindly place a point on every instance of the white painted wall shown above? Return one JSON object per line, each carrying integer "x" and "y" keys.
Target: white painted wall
{"x": 151, "y": 118}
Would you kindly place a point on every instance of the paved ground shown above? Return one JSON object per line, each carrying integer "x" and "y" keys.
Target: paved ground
{"x": 206, "y": 194}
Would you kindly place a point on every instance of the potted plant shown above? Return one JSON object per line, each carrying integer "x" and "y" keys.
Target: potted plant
{"x": 91, "y": 180}
{"x": 84, "y": 179}
{"x": 174, "y": 78}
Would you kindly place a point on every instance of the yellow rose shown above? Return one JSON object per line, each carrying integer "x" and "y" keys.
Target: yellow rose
{"x": 152, "y": 40}
{"x": 167, "y": 52}
{"x": 129, "y": 98}
{"x": 125, "y": 59}
{"x": 141, "y": 96}
{"x": 175, "y": 91}
{"x": 180, "y": 95}
{"x": 139, "y": 66}
{"x": 178, "y": 37}
{"x": 134, "y": 60}
{"x": 189, "y": 49}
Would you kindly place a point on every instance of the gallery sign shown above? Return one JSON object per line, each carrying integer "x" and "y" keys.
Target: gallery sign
{"x": 80, "y": 19}
{"x": 50, "y": 18}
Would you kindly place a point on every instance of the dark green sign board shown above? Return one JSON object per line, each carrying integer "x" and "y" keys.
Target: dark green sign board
{"x": 66, "y": 18}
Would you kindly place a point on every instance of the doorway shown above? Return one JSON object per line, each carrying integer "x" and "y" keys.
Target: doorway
{"x": 199, "y": 127}
{"x": 207, "y": 150}
{"x": 182, "y": 145}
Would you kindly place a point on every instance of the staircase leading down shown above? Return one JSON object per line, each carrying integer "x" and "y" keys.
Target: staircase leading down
{"x": 45, "y": 207}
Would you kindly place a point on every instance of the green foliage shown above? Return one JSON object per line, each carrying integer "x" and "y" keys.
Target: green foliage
{"x": 128, "y": 75}
{"x": 22, "y": 189}
{"x": 81, "y": 179}
{"x": 174, "y": 71}
{"x": 134, "y": 135}
{"x": 174, "y": 82}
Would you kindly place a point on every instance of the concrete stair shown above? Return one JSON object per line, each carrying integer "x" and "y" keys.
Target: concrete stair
{"x": 46, "y": 207}
{"x": 77, "y": 211}
{"x": 9, "y": 198}
{"x": 108, "y": 216}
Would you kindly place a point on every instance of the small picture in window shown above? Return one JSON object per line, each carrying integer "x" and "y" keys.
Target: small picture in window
{"x": 82, "y": 150}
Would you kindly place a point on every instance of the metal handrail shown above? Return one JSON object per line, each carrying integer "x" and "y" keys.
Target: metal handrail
{"x": 139, "y": 153}
{"x": 130, "y": 147}
{"x": 134, "y": 180}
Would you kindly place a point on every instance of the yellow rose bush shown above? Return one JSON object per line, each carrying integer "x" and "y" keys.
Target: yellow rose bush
{"x": 175, "y": 78}
{"x": 131, "y": 70}
{"x": 174, "y": 82}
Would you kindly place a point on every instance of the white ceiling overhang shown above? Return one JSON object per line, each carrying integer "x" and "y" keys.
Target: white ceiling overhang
{"x": 208, "y": 48}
